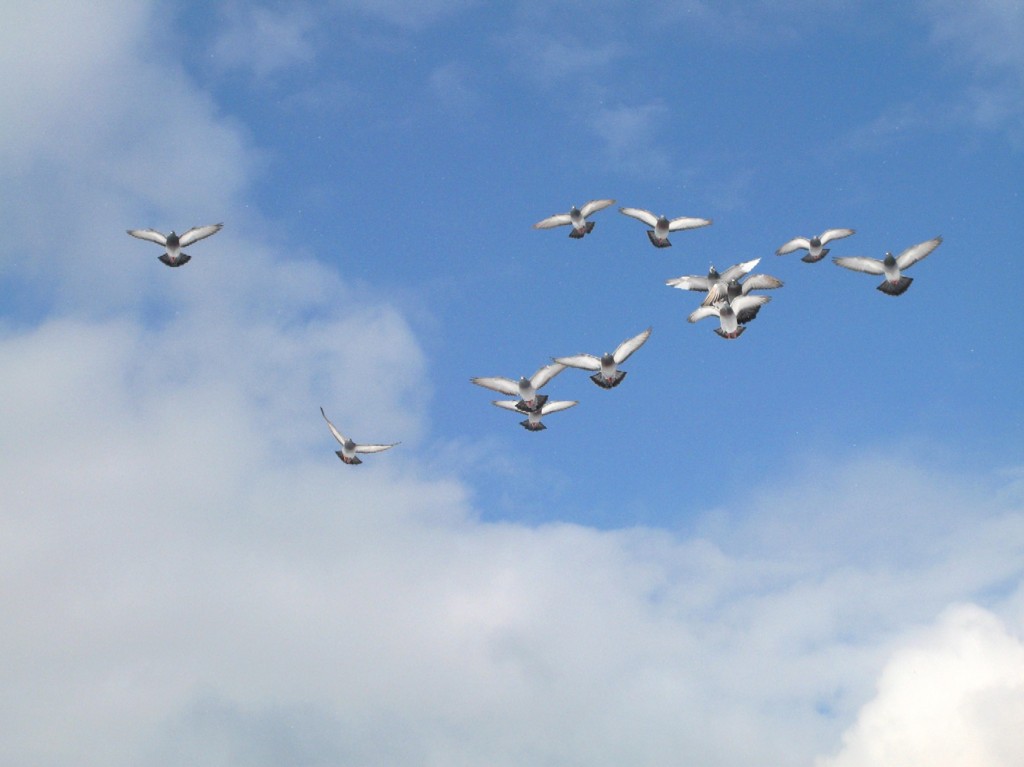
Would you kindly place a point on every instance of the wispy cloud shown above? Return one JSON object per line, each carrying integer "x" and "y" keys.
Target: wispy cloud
{"x": 265, "y": 41}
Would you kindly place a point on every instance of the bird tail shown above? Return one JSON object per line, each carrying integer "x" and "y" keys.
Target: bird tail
{"x": 656, "y": 242}
{"x": 538, "y": 403}
{"x": 604, "y": 383}
{"x": 809, "y": 259}
{"x": 735, "y": 334}
{"x": 353, "y": 460}
{"x": 897, "y": 288}
{"x": 183, "y": 258}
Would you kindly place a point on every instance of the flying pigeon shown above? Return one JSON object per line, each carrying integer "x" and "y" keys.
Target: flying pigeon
{"x": 895, "y": 284}
{"x": 728, "y": 314}
{"x": 173, "y": 243}
{"x": 662, "y": 226}
{"x": 733, "y": 288}
{"x": 532, "y": 421}
{"x": 577, "y": 217}
{"x": 348, "y": 447}
{"x": 698, "y": 283}
{"x": 608, "y": 376}
{"x": 815, "y": 246}
{"x": 526, "y": 388}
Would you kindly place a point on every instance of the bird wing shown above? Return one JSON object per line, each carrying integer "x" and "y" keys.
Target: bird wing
{"x": 375, "y": 448}
{"x": 915, "y": 253}
{"x": 337, "y": 434}
{"x": 545, "y": 374}
{"x": 689, "y": 282}
{"x": 559, "y": 219}
{"x": 640, "y": 215}
{"x": 716, "y": 293}
{"x": 860, "y": 264}
{"x": 834, "y": 234}
{"x": 795, "y": 244}
{"x": 760, "y": 282}
{"x": 582, "y": 361}
{"x": 149, "y": 234}
{"x": 197, "y": 233}
{"x": 554, "y": 407}
{"x": 595, "y": 205}
{"x": 742, "y": 303}
{"x": 683, "y": 222}
{"x": 508, "y": 404}
{"x": 738, "y": 270}
{"x": 703, "y": 312}
{"x": 627, "y": 347}
{"x": 498, "y": 384}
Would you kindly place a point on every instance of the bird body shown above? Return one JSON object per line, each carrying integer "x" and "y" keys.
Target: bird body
{"x": 349, "y": 449}
{"x": 607, "y": 374}
{"x": 895, "y": 282}
{"x": 576, "y": 217}
{"x": 662, "y": 225}
{"x": 173, "y": 243}
{"x": 815, "y": 246}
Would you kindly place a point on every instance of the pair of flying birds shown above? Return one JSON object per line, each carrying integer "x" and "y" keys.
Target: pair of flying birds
{"x": 658, "y": 234}
{"x": 606, "y": 374}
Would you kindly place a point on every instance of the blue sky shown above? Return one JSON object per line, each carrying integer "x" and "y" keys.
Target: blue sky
{"x": 788, "y": 536}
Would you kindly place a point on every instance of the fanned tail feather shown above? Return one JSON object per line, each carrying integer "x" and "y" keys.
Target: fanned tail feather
{"x": 897, "y": 288}
{"x": 604, "y": 383}
{"x": 812, "y": 259}
{"x": 656, "y": 242}
{"x": 539, "y": 426}
{"x": 538, "y": 403}
{"x": 729, "y": 336}
{"x": 183, "y": 258}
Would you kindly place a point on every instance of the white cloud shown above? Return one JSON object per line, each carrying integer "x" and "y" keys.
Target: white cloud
{"x": 954, "y": 696}
{"x": 265, "y": 40}
{"x": 629, "y": 135}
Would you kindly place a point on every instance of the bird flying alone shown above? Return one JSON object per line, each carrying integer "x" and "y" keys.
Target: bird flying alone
{"x": 173, "y": 243}
{"x": 532, "y": 421}
{"x": 658, "y": 235}
{"x": 815, "y": 246}
{"x": 607, "y": 374}
{"x": 349, "y": 448}
{"x": 895, "y": 282}
{"x": 576, "y": 217}
{"x": 525, "y": 388}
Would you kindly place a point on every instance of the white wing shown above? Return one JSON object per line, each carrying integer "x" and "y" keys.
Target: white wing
{"x": 337, "y": 434}
{"x": 741, "y": 303}
{"x": 545, "y": 374}
{"x": 678, "y": 224}
{"x": 690, "y": 282}
{"x": 718, "y": 292}
{"x": 640, "y": 215}
{"x": 197, "y": 233}
{"x": 581, "y": 361}
{"x": 861, "y": 264}
{"x": 559, "y": 219}
{"x": 554, "y": 407}
{"x": 498, "y": 384}
{"x": 795, "y": 244}
{"x": 703, "y": 313}
{"x": 629, "y": 346}
{"x": 595, "y": 205}
{"x": 149, "y": 234}
{"x": 915, "y": 253}
{"x": 738, "y": 270}
{"x": 508, "y": 404}
{"x": 374, "y": 448}
{"x": 834, "y": 234}
{"x": 760, "y": 282}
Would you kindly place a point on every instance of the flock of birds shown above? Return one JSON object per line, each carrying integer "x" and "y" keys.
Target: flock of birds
{"x": 730, "y": 298}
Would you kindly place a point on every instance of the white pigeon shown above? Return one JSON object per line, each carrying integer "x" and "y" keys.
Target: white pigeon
{"x": 815, "y": 246}
{"x": 662, "y": 225}
{"x": 525, "y": 388}
{"x": 728, "y": 314}
{"x": 349, "y": 448}
{"x": 576, "y": 217}
{"x": 701, "y": 284}
{"x": 734, "y": 288}
{"x": 895, "y": 283}
{"x": 532, "y": 421}
{"x": 174, "y": 243}
{"x": 608, "y": 376}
